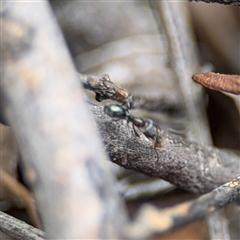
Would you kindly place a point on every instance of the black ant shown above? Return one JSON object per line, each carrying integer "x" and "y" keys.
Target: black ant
{"x": 145, "y": 125}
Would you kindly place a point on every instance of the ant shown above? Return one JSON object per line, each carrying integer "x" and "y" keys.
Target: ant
{"x": 145, "y": 125}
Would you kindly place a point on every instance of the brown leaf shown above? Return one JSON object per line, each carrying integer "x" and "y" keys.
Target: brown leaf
{"x": 219, "y": 82}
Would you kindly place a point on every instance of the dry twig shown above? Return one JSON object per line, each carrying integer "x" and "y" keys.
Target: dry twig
{"x": 19, "y": 230}
{"x": 219, "y": 82}
{"x": 184, "y": 61}
{"x": 225, "y": 2}
{"x": 104, "y": 89}
{"x": 151, "y": 221}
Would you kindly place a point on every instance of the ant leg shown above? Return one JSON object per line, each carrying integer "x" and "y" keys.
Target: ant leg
{"x": 126, "y": 106}
{"x": 158, "y": 138}
{"x": 157, "y": 141}
{"x": 128, "y": 103}
{"x": 136, "y": 133}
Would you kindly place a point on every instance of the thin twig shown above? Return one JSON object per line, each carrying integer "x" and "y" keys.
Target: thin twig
{"x": 104, "y": 88}
{"x": 18, "y": 229}
{"x": 225, "y": 2}
{"x": 219, "y": 82}
{"x": 183, "y": 57}
{"x": 151, "y": 221}
{"x": 137, "y": 190}
{"x": 219, "y": 225}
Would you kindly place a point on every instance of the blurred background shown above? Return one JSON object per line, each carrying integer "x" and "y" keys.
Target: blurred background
{"x": 127, "y": 41}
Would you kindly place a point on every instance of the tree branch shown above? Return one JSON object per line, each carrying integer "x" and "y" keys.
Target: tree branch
{"x": 188, "y": 165}
{"x": 146, "y": 223}
{"x": 225, "y": 2}
{"x": 105, "y": 88}
{"x": 19, "y": 230}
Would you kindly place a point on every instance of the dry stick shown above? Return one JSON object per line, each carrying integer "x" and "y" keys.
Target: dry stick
{"x": 64, "y": 159}
{"x": 183, "y": 55}
{"x": 188, "y": 165}
{"x": 151, "y": 220}
{"x": 225, "y": 2}
{"x": 226, "y": 83}
{"x": 132, "y": 191}
{"x": 22, "y": 193}
{"x": 231, "y": 84}
{"x": 190, "y": 211}
{"x": 18, "y": 229}
{"x": 184, "y": 62}
{"x": 219, "y": 82}
{"x": 104, "y": 89}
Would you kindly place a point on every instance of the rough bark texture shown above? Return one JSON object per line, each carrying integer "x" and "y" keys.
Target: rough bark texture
{"x": 18, "y": 229}
{"x": 188, "y": 165}
{"x": 226, "y": 2}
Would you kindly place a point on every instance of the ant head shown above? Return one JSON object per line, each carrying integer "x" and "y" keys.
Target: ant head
{"x": 116, "y": 111}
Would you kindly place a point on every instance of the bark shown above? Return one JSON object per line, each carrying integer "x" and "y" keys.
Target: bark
{"x": 225, "y": 2}
{"x": 188, "y": 165}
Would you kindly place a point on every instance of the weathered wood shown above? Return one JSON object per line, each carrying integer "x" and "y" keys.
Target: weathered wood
{"x": 225, "y": 2}
{"x": 64, "y": 160}
{"x": 188, "y": 165}
{"x": 19, "y": 230}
